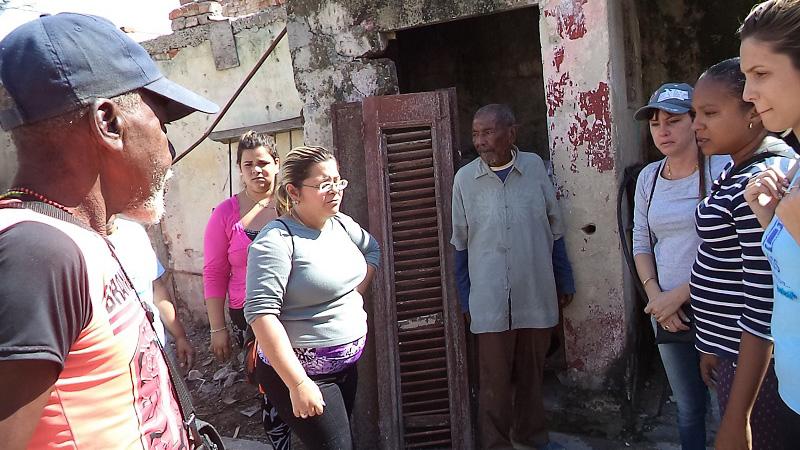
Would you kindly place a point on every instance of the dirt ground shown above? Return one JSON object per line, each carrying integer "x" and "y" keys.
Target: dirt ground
{"x": 220, "y": 392}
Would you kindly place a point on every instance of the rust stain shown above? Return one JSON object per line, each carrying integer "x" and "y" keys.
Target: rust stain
{"x": 570, "y": 19}
{"x": 595, "y": 341}
{"x": 555, "y": 93}
{"x": 592, "y": 128}
{"x": 558, "y": 58}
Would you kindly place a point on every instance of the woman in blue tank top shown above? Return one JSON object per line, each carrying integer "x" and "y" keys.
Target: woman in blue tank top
{"x": 770, "y": 60}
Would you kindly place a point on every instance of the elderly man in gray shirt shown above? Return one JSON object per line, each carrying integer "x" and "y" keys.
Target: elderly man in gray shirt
{"x": 506, "y": 217}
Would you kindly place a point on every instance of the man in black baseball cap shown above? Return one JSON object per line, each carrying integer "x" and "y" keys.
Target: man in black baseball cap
{"x": 79, "y": 363}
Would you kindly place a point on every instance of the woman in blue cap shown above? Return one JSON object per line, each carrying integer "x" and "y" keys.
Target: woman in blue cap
{"x": 665, "y": 244}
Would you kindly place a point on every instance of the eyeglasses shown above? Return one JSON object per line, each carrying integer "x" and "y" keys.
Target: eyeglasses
{"x": 327, "y": 186}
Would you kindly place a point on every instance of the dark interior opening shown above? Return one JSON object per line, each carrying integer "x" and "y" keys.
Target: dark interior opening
{"x": 488, "y": 59}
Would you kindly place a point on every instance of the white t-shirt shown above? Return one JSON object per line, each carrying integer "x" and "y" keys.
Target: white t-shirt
{"x": 134, "y": 250}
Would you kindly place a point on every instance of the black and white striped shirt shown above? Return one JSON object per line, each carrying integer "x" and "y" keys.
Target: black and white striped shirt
{"x": 731, "y": 283}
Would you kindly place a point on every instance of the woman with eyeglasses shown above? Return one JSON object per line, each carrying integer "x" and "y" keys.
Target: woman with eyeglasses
{"x": 307, "y": 272}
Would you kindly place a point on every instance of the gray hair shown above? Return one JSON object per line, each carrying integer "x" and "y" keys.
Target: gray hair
{"x": 502, "y": 114}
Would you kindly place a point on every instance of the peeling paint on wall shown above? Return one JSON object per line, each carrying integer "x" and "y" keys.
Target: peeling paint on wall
{"x": 592, "y": 128}
{"x": 555, "y": 93}
{"x": 558, "y": 58}
{"x": 570, "y": 17}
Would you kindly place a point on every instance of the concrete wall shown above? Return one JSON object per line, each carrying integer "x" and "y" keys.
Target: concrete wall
{"x": 203, "y": 178}
{"x": 588, "y": 124}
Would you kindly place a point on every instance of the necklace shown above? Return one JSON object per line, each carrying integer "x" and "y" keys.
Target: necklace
{"x": 259, "y": 202}
{"x": 20, "y": 191}
{"x": 669, "y": 170}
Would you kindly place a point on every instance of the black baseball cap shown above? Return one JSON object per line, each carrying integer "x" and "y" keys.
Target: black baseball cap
{"x": 60, "y": 63}
{"x": 674, "y": 98}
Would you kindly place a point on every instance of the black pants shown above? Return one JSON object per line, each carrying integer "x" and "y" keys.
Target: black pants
{"x": 331, "y": 430}
{"x": 275, "y": 428}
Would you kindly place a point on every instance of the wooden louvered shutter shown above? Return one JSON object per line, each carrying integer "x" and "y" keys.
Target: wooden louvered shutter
{"x": 423, "y": 398}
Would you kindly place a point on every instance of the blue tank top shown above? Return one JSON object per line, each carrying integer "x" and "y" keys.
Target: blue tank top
{"x": 783, "y": 253}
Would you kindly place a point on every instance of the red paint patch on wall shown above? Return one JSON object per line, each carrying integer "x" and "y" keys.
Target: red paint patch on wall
{"x": 570, "y": 19}
{"x": 558, "y": 58}
{"x": 596, "y": 136}
{"x": 594, "y": 342}
{"x": 555, "y": 93}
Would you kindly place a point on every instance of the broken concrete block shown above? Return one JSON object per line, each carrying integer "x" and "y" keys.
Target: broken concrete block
{"x": 192, "y": 22}
{"x": 223, "y": 45}
{"x": 202, "y": 19}
{"x": 178, "y": 24}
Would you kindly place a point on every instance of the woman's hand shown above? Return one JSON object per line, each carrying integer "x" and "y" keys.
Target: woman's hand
{"x": 221, "y": 345}
{"x": 763, "y": 193}
{"x": 306, "y": 399}
{"x": 673, "y": 323}
{"x": 708, "y": 369}
{"x": 185, "y": 352}
{"x": 665, "y": 304}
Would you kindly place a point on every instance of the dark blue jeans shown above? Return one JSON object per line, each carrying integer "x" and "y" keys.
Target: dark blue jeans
{"x": 331, "y": 430}
{"x": 682, "y": 364}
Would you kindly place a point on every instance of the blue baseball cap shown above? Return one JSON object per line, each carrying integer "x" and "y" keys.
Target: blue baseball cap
{"x": 56, "y": 64}
{"x": 674, "y": 98}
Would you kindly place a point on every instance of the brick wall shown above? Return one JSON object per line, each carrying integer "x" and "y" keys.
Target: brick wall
{"x": 192, "y": 13}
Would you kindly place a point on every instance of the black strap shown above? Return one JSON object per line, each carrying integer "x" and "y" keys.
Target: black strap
{"x": 649, "y": 202}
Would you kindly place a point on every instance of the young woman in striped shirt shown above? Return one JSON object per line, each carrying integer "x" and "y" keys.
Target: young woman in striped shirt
{"x": 770, "y": 53}
{"x": 731, "y": 282}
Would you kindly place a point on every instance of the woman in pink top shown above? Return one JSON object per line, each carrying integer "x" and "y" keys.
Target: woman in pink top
{"x": 233, "y": 225}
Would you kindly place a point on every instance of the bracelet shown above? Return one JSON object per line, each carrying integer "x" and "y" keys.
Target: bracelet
{"x": 218, "y": 330}
{"x": 644, "y": 283}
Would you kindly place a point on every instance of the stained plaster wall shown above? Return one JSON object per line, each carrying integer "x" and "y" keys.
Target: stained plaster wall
{"x": 589, "y": 128}
{"x": 203, "y": 178}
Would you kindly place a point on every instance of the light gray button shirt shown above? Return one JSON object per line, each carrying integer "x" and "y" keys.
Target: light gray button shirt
{"x": 508, "y": 229}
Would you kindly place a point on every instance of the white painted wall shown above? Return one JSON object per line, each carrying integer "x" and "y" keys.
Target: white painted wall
{"x": 202, "y": 179}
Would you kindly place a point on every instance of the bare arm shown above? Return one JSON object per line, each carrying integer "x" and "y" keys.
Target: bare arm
{"x": 169, "y": 317}
{"x": 364, "y": 286}
{"x": 274, "y": 342}
{"x": 26, "y": 388}
{"x": 220, "y": 341}
{"x": 789, "y": 212}
{"x": 646, "y": 269}
{"x": 663, "y": 305}
{"x": 754, "y": 357}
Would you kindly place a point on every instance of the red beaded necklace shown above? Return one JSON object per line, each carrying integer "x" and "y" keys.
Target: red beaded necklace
{"x": 18, "y": 191}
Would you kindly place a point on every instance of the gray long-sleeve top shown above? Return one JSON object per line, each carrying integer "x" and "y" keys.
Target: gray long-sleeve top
{"x": 671, "y": 220}
{"x": 308, "y": 280}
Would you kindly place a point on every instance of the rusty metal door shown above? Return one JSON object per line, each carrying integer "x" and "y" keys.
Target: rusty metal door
{"x": 423, "y": 399}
